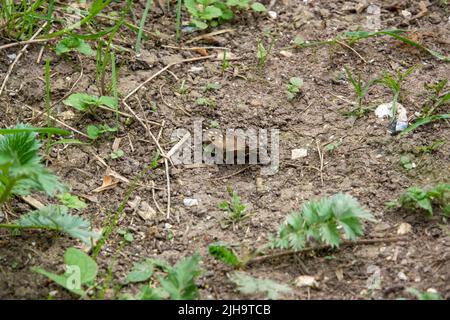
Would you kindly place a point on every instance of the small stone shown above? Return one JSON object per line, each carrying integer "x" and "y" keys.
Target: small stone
{"x": 286, "y": 54}
{"x": 402, "y": 276}
{"x": 299, "y": 153}
{"x": 190, "y": 202}
{"x": 146, "y": 212}
{"x": 272, "y": 14}
{"x": 306, "y": 281}
{"x": 259, "y": 185}
{"x": 406, "y": 14}
{"x": 434, "y": 18}
{"x": 256, "y": 103}
{"x": 404, "y": 228}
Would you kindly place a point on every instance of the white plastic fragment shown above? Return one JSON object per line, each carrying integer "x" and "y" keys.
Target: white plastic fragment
{"x": 385, "y": 110}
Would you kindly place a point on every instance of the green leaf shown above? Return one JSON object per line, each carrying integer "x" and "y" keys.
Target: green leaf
{"x": 57, "y": 131}
{"x": 88, "y": 267}
{"x": 180, "y": 280}
{"x": 296, "y": 81}
{"x": 71, "y": 201}
{"x": 211, "y": 12}
{"x": 61, "y": 280}
{"x": 199, "y": 24}
{"x": 258, "y": 7}
{"x": 142, "y": 271}
{"x": 108, "y": 101}
{"x": 81, "y": 101}
{"x": 225, "y": 254}
{"x": 249, "y": 285}
{"x": 57, "y": 218}
{"x": 117, "y": 154}
{"x": 81, "y": 269}
{"x": 93, "y": 132}
{"x": 330, "y": 234}
{"x": 238, "y": 3}
{"x": 73, "y": 43}
{"x": 21, "y": 170}
{"x": 424, "y": 121}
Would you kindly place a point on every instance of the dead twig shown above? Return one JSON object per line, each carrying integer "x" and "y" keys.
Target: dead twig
{"x": 319, "y": 150}
{"x": 325, "y": 246}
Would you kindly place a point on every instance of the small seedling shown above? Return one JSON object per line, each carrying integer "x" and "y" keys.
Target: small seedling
{"x": 416, "y": 198}
{"x": 127, "y": 236}
{"x": 205, "y": 102}
{"x": 225, "y": 62}
{"x": 262, "y": 53}
{"x": 435, "y": 145}
{"x": 89, "y": 103}
{"x": 361, "y": 89}
{"x": 73, "y": 43}
{"x": 71, "y": 201}
{"x": 206, "y": 13}
{"x": 323, "y": 221}
{"x": 237, "y": 210}
{"x": 212, "y": 86}
{"x": 436, "y": 103}
{"x": 331, "y": 147}
{"x": 294, "y": 87}
{"x": 117, "y": 154}
{"x": 155, "y": 160}
{"x": 94, "y": 132}
{"x": 407, "y": 162}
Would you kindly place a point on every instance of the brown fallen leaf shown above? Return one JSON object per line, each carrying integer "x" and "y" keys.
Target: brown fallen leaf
{"x": 108, "y": 183}
{"x": 203, "y": 52}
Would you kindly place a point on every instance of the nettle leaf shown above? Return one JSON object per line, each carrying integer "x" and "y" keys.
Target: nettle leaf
{"x": 249, "y": 285}
{"x": 319, "y": 220}
{"x": 57, "y": 218}
{"x": 258, "y": 7}
{"x": 330, "y": 234}
{"x": 20, "y": 165}
{"x": 225, "y": 254}
{"x": 142, "y": 271}
{"x": 71, "y": 201}
{"x": 81, "y": 269}
{"x": 180, "y": 279}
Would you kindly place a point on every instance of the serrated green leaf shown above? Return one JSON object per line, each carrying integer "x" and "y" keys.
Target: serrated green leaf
{"x": 225, "y": 254}
{"x": 330, "y": 234}
{"x": 71, "y": 201}
{"x": 180, "y": 279}
{"x": 57, "y": 218}
{"x": 142, "y": 271}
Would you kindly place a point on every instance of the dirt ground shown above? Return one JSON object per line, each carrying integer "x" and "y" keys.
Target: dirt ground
{"x": 366, "y": 163}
